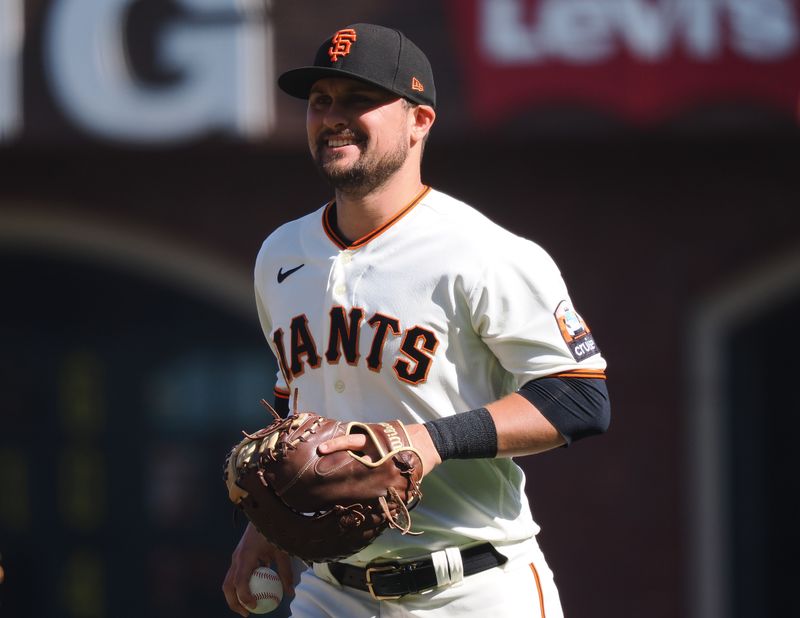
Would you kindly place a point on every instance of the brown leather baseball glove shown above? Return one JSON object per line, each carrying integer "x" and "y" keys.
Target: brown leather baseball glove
{"x": 324, "y": 507}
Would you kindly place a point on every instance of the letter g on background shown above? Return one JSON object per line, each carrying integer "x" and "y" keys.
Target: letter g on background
{"x": 224, "y": 66}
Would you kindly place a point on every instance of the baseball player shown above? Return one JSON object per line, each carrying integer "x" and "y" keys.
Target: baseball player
{"x": 396, "y": 301}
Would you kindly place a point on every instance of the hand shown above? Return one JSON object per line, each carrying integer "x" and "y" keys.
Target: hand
{"x": 421, "y": 440}
{"x": 418, "y": 434}
{"x": 253, "y": 551}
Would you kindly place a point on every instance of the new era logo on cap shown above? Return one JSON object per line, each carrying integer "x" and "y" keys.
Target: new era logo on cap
{"x": 377, "y": 55}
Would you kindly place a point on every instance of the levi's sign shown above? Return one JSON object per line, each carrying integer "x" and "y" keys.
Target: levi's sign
{"x": 644, "y": 59}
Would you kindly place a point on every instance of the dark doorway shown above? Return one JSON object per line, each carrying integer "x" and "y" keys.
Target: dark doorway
{"x": 763, "y": 365}
{"x": 120, "y": 398}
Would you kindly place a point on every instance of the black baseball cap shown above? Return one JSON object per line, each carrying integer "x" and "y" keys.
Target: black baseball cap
{"x": 373, "y": 54}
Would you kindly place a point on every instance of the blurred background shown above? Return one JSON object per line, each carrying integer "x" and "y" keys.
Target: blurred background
{"x": 651, "y": 146}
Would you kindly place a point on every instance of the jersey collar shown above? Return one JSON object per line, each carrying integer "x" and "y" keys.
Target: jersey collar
{"x": 328, "y": 217}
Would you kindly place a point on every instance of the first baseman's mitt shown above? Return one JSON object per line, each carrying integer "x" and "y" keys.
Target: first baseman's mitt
{"x": 324, "y": 507}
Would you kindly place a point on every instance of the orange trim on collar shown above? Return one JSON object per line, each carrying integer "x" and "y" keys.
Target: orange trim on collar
{"x": 342, "y": 244}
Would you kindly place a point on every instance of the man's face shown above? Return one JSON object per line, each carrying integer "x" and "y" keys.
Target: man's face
{"x": 357, "y": 133}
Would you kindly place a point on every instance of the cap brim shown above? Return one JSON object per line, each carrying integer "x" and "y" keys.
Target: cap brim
{"x": 298, "y": 82}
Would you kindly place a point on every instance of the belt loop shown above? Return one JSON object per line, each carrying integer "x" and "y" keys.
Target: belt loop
{"x": 441, "y": 568}
{"x": 456, "y": 565}
{"x": 448, "y": 566}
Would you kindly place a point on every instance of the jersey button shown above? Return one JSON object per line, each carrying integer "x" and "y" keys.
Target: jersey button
{"x": 340, "y": 289}
{"x": 339, "y": 386}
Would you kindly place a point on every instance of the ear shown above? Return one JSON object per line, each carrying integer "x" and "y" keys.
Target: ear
{"x": 422, "y": 118}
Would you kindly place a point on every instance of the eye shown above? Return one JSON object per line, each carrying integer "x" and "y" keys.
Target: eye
{"x": 367, "y": 99}
{"x": 319, "y": 100}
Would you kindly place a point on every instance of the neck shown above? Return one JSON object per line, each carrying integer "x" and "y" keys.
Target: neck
{"x": 358, "y": 215}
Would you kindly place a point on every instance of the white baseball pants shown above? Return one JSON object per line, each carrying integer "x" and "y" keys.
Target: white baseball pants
{"x": 522, "y": 587}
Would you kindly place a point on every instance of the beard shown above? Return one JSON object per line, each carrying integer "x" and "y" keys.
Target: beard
{"x": 366, "y": 174}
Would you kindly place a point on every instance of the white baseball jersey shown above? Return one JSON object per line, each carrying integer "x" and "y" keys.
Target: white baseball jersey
{"x": 438, "y": 312}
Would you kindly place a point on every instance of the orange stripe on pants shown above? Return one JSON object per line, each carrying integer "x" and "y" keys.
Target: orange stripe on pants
{"x": 539, "y": 588}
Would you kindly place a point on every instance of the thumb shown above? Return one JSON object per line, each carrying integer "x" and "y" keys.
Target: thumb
{"x": 244, "y": 595}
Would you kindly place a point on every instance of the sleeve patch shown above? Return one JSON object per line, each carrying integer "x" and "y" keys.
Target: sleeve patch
{"x": 576, "y": 334}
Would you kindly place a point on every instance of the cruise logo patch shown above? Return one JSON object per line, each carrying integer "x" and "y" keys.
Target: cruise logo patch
{"x": 576, "y": 334}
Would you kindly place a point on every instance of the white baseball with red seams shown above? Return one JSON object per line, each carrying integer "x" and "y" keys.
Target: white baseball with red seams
{"x": 266, "y": 587}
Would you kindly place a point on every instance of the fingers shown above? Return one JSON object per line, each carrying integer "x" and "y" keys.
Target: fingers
{"x": 252, "y": 550}
{"x": 352, "y": 442}
{"x": 230, "y": 587}
{"x": 283, "y": 565}
{"x": 236, "y": 586}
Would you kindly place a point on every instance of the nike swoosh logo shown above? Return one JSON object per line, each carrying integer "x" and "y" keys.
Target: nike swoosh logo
{"x": 282, "y": 275}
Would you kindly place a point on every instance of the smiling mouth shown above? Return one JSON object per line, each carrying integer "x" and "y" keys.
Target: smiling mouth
{"x": 340, "y": 140}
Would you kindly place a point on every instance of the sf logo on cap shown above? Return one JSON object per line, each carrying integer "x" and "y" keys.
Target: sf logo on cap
{"x": 340, "y": 43}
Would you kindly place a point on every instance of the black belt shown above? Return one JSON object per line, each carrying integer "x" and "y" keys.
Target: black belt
{"x": 392, "y": 580}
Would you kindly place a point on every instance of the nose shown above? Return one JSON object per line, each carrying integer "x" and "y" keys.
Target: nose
{"x": 335, "y": 117}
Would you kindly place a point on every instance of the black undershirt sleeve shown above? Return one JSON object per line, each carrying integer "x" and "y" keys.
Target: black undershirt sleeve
{"x": 576, "y": 407}
{"x": 281, "y": 404}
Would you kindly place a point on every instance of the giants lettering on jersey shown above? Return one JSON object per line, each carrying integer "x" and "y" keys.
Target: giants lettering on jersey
{"x": 299, "y": 349}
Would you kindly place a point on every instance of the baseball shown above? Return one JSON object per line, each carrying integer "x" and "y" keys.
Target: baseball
{"x": 266, "y": 588}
